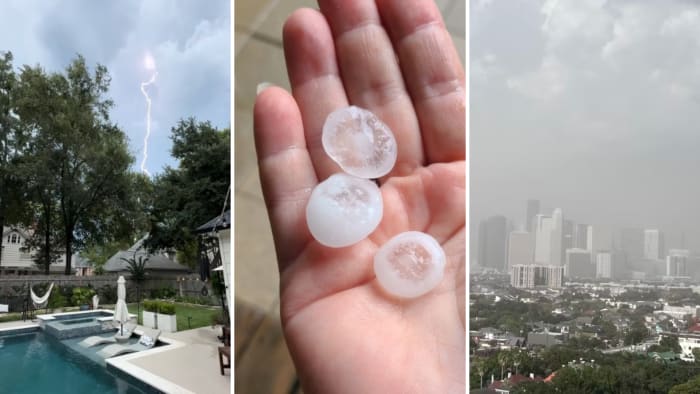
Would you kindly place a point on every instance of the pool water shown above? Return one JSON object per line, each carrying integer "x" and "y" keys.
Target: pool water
{"x": 77, "y": 321}
{"x": 39, "y": 363}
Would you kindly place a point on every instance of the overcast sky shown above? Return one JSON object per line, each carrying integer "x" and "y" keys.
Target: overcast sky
{"x": 189, "y": 41}
{"x": 588, "y": 105}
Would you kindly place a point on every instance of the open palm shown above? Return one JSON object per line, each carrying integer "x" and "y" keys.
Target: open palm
{"x": 396, "y": 59}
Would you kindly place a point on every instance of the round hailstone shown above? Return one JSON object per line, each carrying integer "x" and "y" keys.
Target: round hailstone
{"x": 410, "y": 264}
{"x": 359, "y": 142}
{"x": 343, "y": 210}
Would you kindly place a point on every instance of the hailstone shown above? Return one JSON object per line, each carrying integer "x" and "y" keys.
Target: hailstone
{"x": 410, "y": 264}
{"x": 343, "y": 210}
{"x": 359, "y": 142}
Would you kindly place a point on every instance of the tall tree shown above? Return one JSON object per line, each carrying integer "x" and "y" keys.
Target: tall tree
{"x": 88, "y": 160}
{"x": 193, "y": 193}
{"x": 13, "y": 143}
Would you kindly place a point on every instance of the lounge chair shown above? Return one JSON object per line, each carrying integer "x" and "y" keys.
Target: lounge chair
{"x": 100, "y": 340}
{"x": 147, "y": 341}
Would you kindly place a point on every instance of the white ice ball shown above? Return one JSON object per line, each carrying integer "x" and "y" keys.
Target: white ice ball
{"x": 359, "y": 142}
{"x": 343, "y": 210}
{"x": 410, "y": 264}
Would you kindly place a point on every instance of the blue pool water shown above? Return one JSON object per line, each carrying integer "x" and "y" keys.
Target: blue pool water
{"x": 39, "y": 363}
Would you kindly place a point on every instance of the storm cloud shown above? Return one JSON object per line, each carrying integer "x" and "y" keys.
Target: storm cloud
{"x": 189, "y": 40}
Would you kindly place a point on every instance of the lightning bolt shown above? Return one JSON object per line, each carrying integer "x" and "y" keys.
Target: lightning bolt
{"x": 148, "y": 121}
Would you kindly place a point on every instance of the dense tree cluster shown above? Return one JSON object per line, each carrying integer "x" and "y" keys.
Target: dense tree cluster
{"x": 592, "y": 371}
{"x": 65, "y": 169}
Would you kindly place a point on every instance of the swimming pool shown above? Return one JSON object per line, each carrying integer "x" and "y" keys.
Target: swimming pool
{"x": 33, "y": 362}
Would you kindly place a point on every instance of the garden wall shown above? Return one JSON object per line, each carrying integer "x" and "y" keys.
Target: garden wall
{"x": 14, "y": 290}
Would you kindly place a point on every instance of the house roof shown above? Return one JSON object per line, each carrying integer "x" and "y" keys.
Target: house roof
{"x": 216, "y": 223}
{"x": 8, "y": 230}
{"x": 156, "y": 261}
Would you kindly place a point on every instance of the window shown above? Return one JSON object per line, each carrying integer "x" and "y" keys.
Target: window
{"x": 14, "y": 239}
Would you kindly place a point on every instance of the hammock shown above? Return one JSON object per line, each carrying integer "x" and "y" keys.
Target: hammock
{"x": 40, "y": 302}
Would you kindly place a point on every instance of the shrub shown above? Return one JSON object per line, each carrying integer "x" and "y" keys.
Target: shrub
{"x": 166, "y": 308}
{"x": 150, "y": 306}
{"x": 163, "y": 292}
{"x": 57, "y": 299}
{"x": 82, "y": 296}
{"x": 108, "y": 294}
{"x": 198, "y": 300}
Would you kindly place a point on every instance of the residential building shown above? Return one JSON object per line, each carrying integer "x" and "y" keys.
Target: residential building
{"x": 19, "y": 261}
{"x": 532, "y": 276}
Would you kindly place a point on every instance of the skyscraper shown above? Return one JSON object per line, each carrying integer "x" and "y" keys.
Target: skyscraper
{"x": 521, "y": 248}
{"x": 549, "y": 239}
{"x": 533, "y": 209}
{"x": 492, "y": 242}
{"x": 677, "y": 262}
{"x": 583, "y": 237}
{"x": 578, "y": 264}
{"x": 653, "y": 244}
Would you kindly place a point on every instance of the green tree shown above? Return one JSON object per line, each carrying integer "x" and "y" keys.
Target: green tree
{"x": 190, "y": 195}
{"x": 13, "y": 144}
{"x": 636, "y": 334}
{"x": 85, "y": 159}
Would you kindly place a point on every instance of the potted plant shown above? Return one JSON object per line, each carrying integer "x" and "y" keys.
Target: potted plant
{"x": 150, "y": 310}
{"x": 81, "y": 297}
{"x": 167, "y": 321}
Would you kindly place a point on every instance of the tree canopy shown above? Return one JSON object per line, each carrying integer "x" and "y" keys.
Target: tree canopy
{"x": 195, "y": 192}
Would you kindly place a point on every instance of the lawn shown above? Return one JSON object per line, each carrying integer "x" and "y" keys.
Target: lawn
{"x": 188, "y": 315}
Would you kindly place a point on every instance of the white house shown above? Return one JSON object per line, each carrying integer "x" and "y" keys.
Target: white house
{"x": 16, "y": 261}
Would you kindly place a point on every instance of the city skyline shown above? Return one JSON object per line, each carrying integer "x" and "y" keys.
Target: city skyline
{"x": 588, "y": 106}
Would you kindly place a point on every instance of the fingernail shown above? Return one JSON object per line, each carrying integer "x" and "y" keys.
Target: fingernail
{"x": 262, "y": 86}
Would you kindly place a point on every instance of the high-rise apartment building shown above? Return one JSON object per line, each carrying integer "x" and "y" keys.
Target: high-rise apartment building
{"x": 532, "y": 276}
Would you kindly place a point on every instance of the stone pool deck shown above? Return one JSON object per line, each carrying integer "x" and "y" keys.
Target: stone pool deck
{"x": 191, "y": 366}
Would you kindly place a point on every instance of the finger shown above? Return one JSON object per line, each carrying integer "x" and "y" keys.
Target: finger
{"x": 433, "y": 74}
{"x": 313, "y": 74}
{"x": 286, "y": 171}
{"x": 371, "y": 74}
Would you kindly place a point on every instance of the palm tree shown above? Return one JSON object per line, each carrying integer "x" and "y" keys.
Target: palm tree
{"x": 480, "y": 369}
{"x": 137, "y": 271}
{"x": 517, "y": 359}
{"x": 503, "y": 358}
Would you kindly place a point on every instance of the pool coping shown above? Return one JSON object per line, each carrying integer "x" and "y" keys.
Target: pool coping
{"x": 30, "y": 327}
{"x": 122, "y": 363}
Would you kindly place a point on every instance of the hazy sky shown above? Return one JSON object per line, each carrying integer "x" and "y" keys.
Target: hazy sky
{"x": 588, "y": 105}
{"x": 189, "y": 41}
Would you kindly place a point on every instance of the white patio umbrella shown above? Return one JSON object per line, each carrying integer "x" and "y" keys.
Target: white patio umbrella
{"x": 121, "y": 312}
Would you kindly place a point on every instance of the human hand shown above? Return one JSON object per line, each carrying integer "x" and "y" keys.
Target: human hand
{"x": 395, "y": 58}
